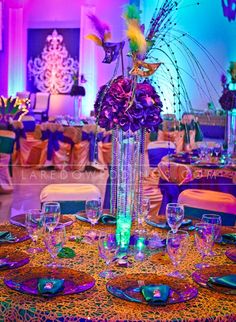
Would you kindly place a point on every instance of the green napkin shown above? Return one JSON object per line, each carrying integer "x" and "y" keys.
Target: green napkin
{"x": 66, "y": 252}
{"x": 229, "y": 238}
{"x": 50, "y": 285}
{"x": 228, "y": 280}
{"x": 108, "y": 219}
{"x": 155, "y": 294}
{"x": 105, "y": 218}
{"x": 6, "y": 236}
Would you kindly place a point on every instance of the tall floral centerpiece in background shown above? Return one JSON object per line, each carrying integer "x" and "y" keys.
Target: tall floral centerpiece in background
{"x": 228, "y": 103}
{"x": 12, "y": 109}
{"x": 129, "y": 107}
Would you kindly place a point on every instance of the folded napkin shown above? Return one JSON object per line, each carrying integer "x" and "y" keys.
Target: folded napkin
{"x": 165, "y": 225}
{"x": 229, "y": 238}
{"x": 155, "y": 294}
{"x": 228, "y": 281}
{"x": 66, "y": 252}
{"x": 105, "y": 219}
{"x": 3, "y": 262}
{"x": 6, "y": 236}
{"x": 50, "y": 285}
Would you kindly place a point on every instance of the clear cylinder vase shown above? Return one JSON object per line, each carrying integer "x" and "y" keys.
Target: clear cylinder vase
{"x": 126, "y": 179}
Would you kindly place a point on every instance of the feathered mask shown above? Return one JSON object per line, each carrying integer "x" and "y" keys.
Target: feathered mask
{"x": 138, "y": 43}
{"x": 112, "y": 50}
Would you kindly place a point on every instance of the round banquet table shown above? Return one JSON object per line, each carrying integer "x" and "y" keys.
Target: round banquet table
{"x": 97, "y": 304}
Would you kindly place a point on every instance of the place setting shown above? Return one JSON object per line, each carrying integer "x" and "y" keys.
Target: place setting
{"x": 151, "y": 289}
{"x": 53, "y": 214}
{"x": 13, "y": 235}
{"x": 10, "y": 259}
{"x": 173, "y": 219}
{"x": 52, "y": 278}
{"x": 42, "y": 281}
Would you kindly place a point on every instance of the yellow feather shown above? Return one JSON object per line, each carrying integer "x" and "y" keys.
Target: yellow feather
{"x": 137, "y": 39}
{"x": 94, "y": 38}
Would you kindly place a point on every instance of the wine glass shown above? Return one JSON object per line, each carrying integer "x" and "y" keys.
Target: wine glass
{"x": 216, "y": 221}
{"x": 54, "y": 242}
{"x": 34, "y": 223}
{"x": 108, "y": 249}
{"x": 204, "y": 240}
{"x": 217, "y": 149}
{"x": 52, "y": 214}
{"x": 93, "y": 213}
{"x": 177, "y": 246}
{"x": 174, "y": 216}
{"x": 202, "y": 150}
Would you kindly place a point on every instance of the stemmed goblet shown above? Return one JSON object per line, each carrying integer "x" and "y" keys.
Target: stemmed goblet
{"x": 177, "y": 246}
{"x": 108, "y": 249}
{"x": 204, "y": 240}
{"x": 54, "y": 242}
{"x": 34, "y": 223}
{"x": 93, "y": 213}
{"x": 174, "y": 215}
{"x": 216, "y": 221}
{"x": 52, "y": 214}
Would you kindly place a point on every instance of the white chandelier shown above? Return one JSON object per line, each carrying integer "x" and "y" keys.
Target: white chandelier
{"x": 53, "y": 72}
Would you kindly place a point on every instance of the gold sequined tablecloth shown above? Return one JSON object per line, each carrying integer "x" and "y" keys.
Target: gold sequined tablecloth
{"x": 97, "y": 304}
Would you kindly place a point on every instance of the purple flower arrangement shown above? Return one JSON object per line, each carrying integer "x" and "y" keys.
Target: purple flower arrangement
{"x": 128, "y": 106}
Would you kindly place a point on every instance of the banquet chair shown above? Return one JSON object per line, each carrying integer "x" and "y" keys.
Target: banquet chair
{"x": 56, "y": 148}
{"x": 41, "y": 106}
{"x": 72, "y": 196}
{"x": 176, "y": 177}
{"x": 198, "y": 202}
{"x": 29, "y": 123}
{"x": 157, "y": 150}
{"x": 7, "y": 140}
{"x": 89, "y": 150}
{"x": 173, "y": 135}
{"x": 173, "y": 176}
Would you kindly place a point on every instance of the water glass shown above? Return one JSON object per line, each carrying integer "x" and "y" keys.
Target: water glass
{"x": 93, "y": 211}
{"x": 217, "y": 150}
{"x": 54, "y": 242}
{"x": 174, "y": 216}
{"x": 216, "y": 221}
{"x": 52, "y": 214}
{"x": 177, "y": 246}
{"x": 204, "y": 240}
{"x": 34, "y": 223}
{"x": 108, "y": 249}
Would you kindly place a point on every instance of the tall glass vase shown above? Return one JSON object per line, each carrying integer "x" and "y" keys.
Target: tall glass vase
{"x": 126, "y": 181}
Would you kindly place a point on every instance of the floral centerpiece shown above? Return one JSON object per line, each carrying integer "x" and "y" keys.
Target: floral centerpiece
{"x": 228, "y": 103}
{"x": 117, "y": 107}
{"x": 12, "y": 109}
{"x": 129, "y": 107}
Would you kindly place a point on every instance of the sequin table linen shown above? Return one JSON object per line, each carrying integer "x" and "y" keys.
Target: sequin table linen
{"x": 97, "y": 304}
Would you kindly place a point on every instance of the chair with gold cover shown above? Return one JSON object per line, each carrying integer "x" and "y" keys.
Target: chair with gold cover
{"x": 199, "y": 201}
{"x": 41, "y": 105}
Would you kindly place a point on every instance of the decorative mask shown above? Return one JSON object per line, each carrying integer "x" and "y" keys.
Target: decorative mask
{"x": 143, "y": 69}
{"x": 112, "y": 51}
